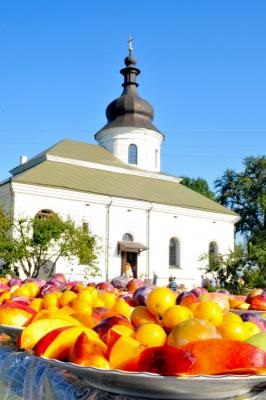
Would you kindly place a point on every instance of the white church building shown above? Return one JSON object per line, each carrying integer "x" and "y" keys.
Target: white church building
{"x": 116, "y": 189}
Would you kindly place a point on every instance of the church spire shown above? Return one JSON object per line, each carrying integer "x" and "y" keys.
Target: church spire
{"x": 129, "y": 110}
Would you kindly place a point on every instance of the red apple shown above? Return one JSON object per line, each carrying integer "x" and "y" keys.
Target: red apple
{"x": 134, "y": 284}
{"x": 198, "y": 291}
{"x": 253, "y": 293}
{"x": 106, "y": 286}
{"x": 258, "y": 303}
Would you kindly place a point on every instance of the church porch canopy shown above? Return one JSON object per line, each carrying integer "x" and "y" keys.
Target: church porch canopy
{"x": 130, "y": 246}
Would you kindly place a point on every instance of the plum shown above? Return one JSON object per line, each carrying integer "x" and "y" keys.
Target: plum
{"x": 140, "y": 295}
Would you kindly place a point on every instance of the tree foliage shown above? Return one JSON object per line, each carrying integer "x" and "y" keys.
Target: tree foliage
{"x": 32, "y": 242}
{"x": 227, "y": 269}
{"x": 199, "y": 185}
{"x": 245, "y": 193}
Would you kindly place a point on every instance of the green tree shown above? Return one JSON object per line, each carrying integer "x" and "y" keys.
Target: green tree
{"x": 245, "y": 193}
{"x": 200, "y": 185}
{"x": 32, "y": 242}
{"x": 227, "y": 269}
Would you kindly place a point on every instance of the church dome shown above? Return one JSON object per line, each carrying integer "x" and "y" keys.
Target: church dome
{"x": 129, "y": 110}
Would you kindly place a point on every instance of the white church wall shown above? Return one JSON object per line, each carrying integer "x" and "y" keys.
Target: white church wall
{"x": 117, "y": 141}
{"x": 150, "y": 224}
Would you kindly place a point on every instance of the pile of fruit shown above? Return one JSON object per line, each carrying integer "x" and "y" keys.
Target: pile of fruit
{"x": 134, "y": 327}
{"x": 255, "y": 300}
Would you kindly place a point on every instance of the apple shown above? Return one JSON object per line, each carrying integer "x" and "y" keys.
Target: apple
{"x": 198, "y": 291}
{"x": 106, "y": 286}
{"x": 258, "y": 340}
{"x": 134, "y": 284}
{"x": 258, "y": 302}
{"x": 253, "y": 293}
{"x": 191, "y": 330}
{"x": 219, "y": 298}
{"x": 185, "y": 294}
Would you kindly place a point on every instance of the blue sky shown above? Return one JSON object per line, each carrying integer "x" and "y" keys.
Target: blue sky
{"x": 203, "y": 69}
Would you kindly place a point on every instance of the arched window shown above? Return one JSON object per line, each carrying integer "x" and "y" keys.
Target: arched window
{"x": 213, "y": 251}
{"x": 127, "y": 237}
{"x": 44, "y": 214}
{"x": 132, "y": 154}
{"x": 174, "y": 253}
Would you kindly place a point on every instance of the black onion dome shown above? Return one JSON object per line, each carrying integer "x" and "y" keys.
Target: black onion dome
{"x": 129, "y": 110}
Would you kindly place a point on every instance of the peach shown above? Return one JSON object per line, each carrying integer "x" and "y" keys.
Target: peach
{"x": 202, "y": 357}
{"x": 56, "y": 315}
{"x": 191, "y": 330}
{"x": 115, "y": 333}
{"x": 16, "y": 314}
{"x": 84, "y": 319}
{"x": 123, "y": 351}
{"x": 163, "y": 360}
{"x": 37, "y": 329}
{"x": 87, "y": 351}
{"x": 219, "y": 298}
{"x": 58, "y": 343}
{"x": 103, "y": 327}
{"x": 219, "y": 356}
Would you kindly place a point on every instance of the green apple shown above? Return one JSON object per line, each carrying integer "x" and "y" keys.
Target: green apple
{"x": 258, "y": 340}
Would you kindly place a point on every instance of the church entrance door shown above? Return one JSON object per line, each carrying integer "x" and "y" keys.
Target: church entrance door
{"x": 132, "y": 259}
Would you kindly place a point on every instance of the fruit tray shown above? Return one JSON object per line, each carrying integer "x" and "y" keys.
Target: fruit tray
{"x": 10, "y": 330}
{"x": 148, "y": 385}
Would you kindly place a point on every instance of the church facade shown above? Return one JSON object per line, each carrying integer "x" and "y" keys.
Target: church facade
{"x": 116, "y": 190}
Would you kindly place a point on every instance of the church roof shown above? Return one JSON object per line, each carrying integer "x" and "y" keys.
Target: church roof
{"x": 61, "y": 167}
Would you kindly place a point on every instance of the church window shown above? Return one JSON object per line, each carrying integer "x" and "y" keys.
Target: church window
{"x": 128, "y": 237}
{"x": 132, "y": 154}
{"x": 174, "y": 253}
{"x": 85, "y": 227}
{"x": 44, "y": 214}
{"x": 213, "y": 251}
